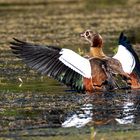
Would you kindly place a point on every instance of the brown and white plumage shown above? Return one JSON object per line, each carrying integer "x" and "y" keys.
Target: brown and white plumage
{"x": 68, "y": 67}
{"x": 125, "y": 60}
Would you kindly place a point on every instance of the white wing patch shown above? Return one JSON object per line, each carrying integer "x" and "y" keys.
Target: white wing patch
{"x": 126, "y": 59}
{"x": 76, "y": 62}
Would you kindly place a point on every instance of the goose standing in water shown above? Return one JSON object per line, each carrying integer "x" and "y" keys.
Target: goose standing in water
{"x": 99, "y": 72}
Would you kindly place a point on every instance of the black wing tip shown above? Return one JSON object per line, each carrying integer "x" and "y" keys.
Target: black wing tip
{"x": 14, "y": 42}
{"x": 17, "y": 41}
{"x": 123, "y": 40}
{"x": 17, "y": 44}
{"x": 122, "y": 37}
{"x": 121, "y": 34}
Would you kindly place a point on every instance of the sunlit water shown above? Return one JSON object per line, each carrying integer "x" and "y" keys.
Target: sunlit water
{"x": 30, "y": 110}
{"x": 34, "y": 105}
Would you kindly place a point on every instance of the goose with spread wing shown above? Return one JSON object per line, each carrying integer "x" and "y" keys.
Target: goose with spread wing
{"x": 81, "y": 74}
{"x": 125, "y": 56}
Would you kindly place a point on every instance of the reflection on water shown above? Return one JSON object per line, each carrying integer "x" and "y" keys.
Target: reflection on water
{"x": 127, "y": 113}
{"x": 32, "y": 111}
{"x": 80, "y": 118}
{"x": 106, "y": 108}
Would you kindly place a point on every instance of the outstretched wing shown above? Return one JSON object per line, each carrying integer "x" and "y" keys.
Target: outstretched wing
{"x": 125, "y": 42}
{"x": 62, "y": 64}
{"x": 126, "y": 55}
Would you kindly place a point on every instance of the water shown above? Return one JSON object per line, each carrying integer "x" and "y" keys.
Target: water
{"x": 36, "y": 113}
{"x": 33, "y": 106}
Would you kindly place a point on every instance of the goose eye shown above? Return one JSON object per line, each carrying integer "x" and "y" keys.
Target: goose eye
{"x": 87, "y": 33}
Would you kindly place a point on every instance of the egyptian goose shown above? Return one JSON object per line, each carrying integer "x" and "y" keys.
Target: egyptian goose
{"x": 126, "y": 55}
{"x": 82, "y": 74}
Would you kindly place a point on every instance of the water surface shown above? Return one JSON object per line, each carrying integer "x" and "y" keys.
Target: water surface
{"x": 33, "y": 106}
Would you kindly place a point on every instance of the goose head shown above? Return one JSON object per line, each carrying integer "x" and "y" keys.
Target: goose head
{"x": 94, "y": 39}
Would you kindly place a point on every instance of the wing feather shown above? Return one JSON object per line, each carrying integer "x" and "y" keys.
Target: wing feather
{"x": 55, "y": 62}
{"x": 76, "y": 62}
{"x": 125, "y": 56}
{"x": 125, "y": 42}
